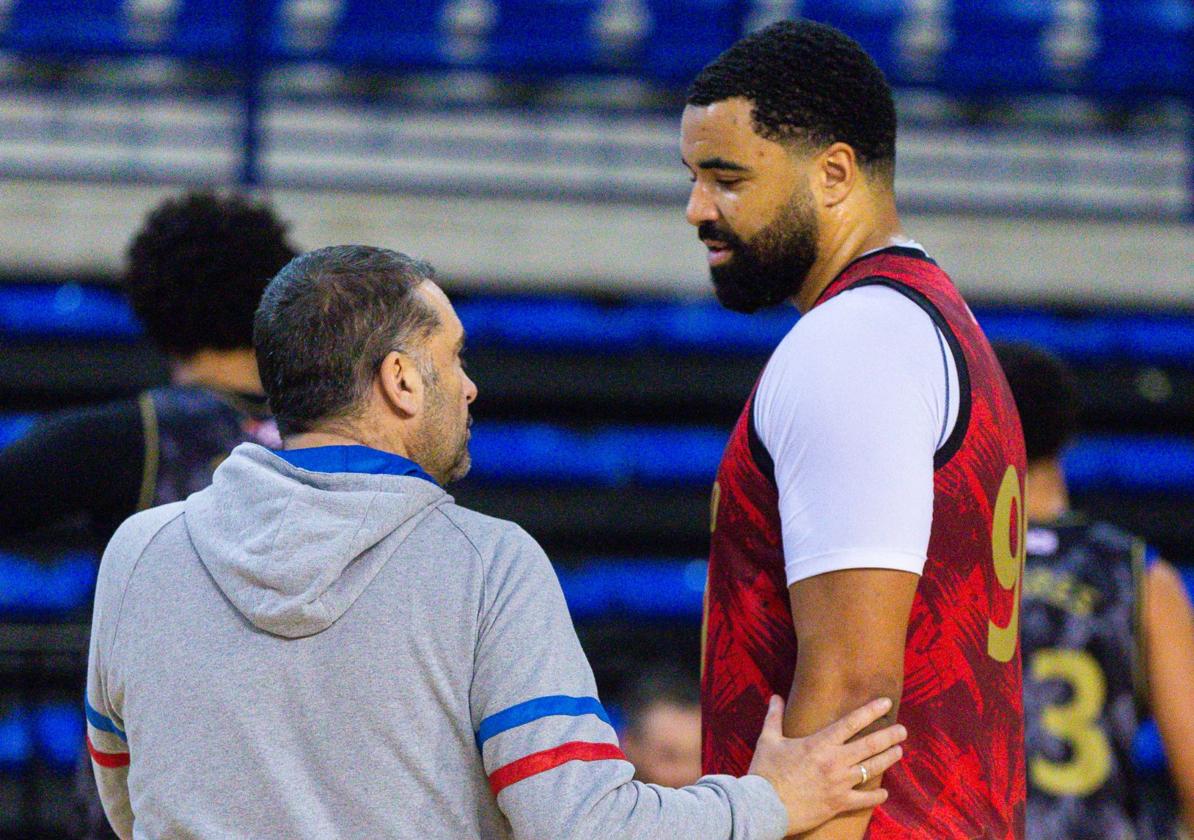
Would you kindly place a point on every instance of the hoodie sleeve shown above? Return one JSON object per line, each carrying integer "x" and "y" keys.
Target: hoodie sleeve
{"x": 107, "y": 741}
{"x": 548, "y": 748}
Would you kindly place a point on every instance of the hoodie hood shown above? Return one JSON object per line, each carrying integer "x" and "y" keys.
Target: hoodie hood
{"x": 293, "y": 549}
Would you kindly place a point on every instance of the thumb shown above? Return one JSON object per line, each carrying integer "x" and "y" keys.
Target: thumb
{"x": 773, "y": 724}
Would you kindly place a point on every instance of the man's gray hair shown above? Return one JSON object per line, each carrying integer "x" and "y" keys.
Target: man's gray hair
{"x": 326, "y": 322}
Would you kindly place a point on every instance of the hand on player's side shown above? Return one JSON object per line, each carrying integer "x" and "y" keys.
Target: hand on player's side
{"x": 816, "y": 776}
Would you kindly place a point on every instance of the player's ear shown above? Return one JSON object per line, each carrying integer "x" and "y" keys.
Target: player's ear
{"x": 400, "y": 384}
{"x": 835, "y": 174}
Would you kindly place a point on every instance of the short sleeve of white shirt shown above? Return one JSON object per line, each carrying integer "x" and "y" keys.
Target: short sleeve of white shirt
{"x": 852, "y": 407}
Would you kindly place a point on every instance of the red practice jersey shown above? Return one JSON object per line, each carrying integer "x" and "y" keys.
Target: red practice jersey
{"x": 963, "y": 771}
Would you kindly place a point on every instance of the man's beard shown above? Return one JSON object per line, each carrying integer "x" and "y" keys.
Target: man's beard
{"x": 773, "y": 265}
{"x": 442, "y": 440}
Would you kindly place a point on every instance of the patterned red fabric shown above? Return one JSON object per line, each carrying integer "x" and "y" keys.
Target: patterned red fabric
{"x": 963, "y": 771}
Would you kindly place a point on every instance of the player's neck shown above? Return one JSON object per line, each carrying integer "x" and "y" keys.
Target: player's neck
{"x": 234, "y": 371}
{"x": 366, "y": 427}
{"x": 849, "y": 232}
{"x": 1048, "y": 499}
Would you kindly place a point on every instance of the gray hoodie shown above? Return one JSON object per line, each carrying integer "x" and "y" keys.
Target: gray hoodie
{"x": 302, "y": 654}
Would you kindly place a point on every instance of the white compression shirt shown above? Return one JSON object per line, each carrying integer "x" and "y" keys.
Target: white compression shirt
{"x": 852, "y": 407}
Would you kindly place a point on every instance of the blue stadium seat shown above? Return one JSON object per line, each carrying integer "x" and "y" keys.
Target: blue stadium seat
{"x": 874, "y": 24}
{"x": 32, "y": 588}
{"x": 705, "y": 326}
{"x": 391, "y": 34}
{"x": 685, "y": 36}
{"x": 65, "y": 311}
{"x": 66, "y": 28}
{"x": 1083, "y": 340}
{"x": 998, "y": 46}
{"x": 644, "y": 588}
{"x": 215, "y": 29}
{"x": 1145, "y": 48}
{"x": 532, "y": 452}
{"x": 14, "y": 426}
{"x": 58, "y": 734}
{"x": 1131, "y": 463}
{"x": 16, "y": 739}
{"x": 544, "y": 37}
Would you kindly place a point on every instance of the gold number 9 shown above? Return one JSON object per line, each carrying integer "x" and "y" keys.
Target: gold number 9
{"x": 1009, "y": 565}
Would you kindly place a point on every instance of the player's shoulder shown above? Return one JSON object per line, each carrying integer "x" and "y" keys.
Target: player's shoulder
{"x": 131, "y": 541}
{"x": 871, "y": 315}
{"x": 136, "y": 532}
{"x": 1075, "y": 534}
{"x": 858, "y": 333}
{"x": 490, "y": 538}
{"x": 1110, "y": 538}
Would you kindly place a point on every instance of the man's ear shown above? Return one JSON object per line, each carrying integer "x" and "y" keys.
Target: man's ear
{"x": 400, "y": 384}
{"x": 836, "y": 174}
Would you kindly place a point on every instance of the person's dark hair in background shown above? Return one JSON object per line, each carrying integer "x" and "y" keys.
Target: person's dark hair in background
{"x": 1107, "y": 632}
{"x": 196, "y": 271}
{"x": 662, "y": 732}
{"x": 197, "y": 268}
{"x": 1046, "y": 395}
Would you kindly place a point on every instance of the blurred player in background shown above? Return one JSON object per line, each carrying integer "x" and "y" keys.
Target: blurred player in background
{"x": 1108, "y": 633}
{"x": 662, "y": 735}
{"x": 196, "y": 271}
{"x": 868, "y": 510}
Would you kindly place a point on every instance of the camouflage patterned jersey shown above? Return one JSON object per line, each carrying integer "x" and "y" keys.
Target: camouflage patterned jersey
{"x": 1082, "y": 694}
{"x": 188, "y": 432}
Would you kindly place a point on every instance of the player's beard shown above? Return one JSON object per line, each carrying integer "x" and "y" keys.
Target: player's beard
{"x": 772, "y": 266}
{"x": 442, "y": 439}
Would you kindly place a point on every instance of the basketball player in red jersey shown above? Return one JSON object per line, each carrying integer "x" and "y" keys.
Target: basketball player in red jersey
{"x": 868, "y": 514}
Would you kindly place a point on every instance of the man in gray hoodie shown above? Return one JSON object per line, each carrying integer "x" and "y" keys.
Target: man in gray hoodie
{"x": 322, "y": 644}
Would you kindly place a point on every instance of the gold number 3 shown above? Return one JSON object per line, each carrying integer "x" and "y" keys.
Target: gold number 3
{"x": 1075, "y": 722}
{"x": 1009, "y": 564}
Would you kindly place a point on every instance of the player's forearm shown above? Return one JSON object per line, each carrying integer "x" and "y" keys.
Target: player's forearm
{"x": 822, "y": 692}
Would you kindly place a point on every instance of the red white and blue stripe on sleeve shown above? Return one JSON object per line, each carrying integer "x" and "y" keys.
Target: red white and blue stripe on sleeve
{"x": 106, "y": 742}
{"x": 586, "y": 710}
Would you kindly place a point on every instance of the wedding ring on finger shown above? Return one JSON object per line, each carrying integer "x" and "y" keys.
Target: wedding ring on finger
{"x": 865, "y": 774}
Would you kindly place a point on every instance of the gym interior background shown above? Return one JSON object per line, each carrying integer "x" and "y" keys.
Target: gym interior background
{"x": 529, "y": 150}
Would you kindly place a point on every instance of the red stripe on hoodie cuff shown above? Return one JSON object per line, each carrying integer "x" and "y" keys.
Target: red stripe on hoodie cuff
{"x": 103, "y": 759}
{"x": 543, "y": 761}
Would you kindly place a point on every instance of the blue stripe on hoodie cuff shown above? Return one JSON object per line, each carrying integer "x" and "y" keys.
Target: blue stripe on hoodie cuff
{"x": 540, "y": 707}
{"x": 100, "y": 722}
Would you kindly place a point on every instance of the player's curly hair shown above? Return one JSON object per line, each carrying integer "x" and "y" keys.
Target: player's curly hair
{"x": 1046, "y": 395}
{"x": 197, "y": 268}
{"x": 811, "y": 85}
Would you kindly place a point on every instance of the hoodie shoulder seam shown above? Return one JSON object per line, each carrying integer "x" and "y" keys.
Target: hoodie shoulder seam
{"x": 133, "y": 571}
{"x": 440, "y": 510}
{"x": 480, "y": 601}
